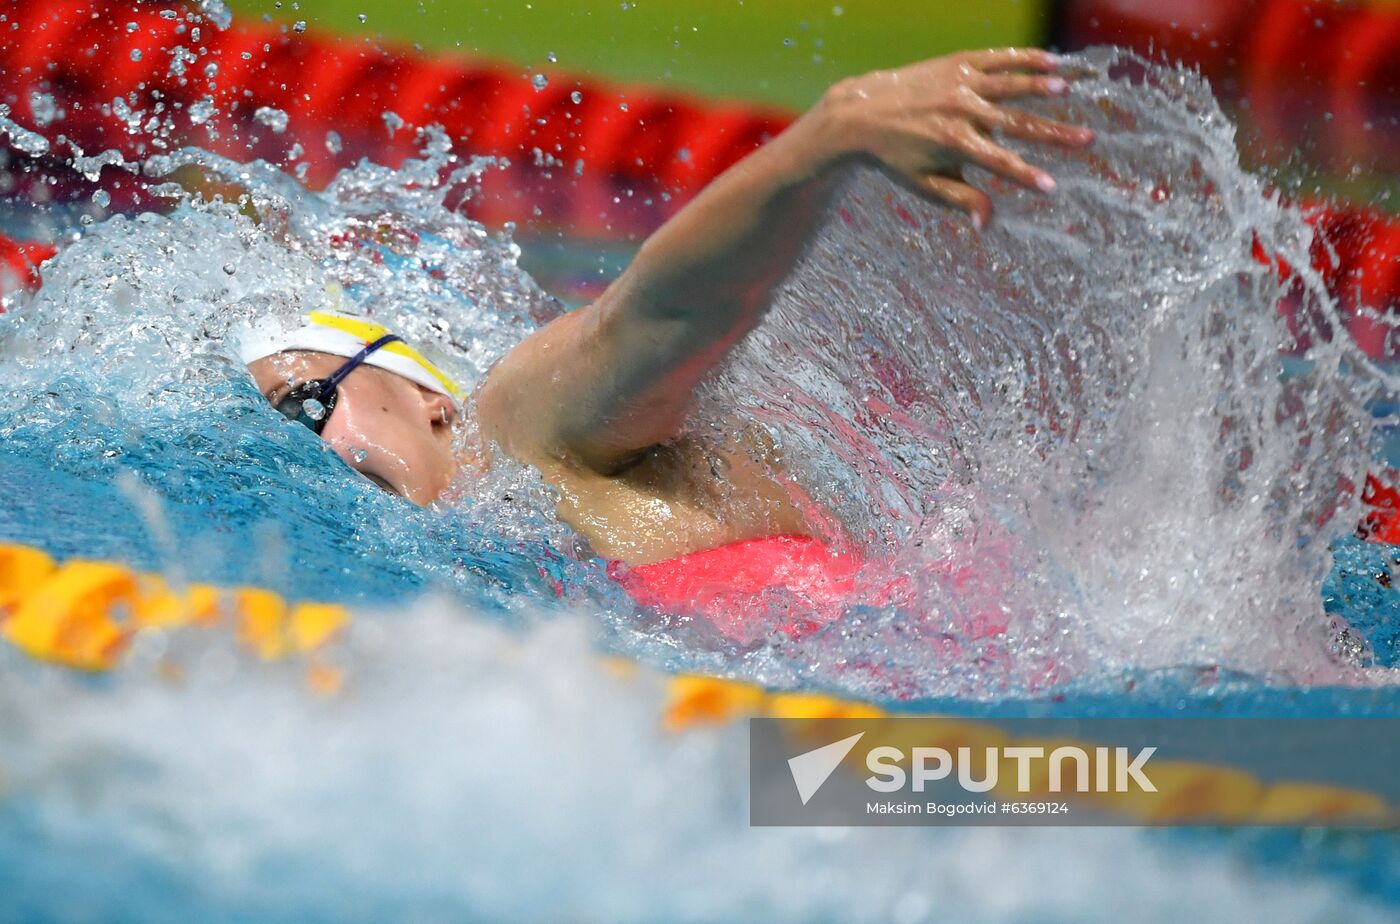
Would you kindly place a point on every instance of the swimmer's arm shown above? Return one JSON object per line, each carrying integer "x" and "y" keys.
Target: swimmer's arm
{"x": 607, "y": 382}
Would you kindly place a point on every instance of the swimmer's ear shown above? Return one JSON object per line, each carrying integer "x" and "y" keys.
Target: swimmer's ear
{"x": 441, "y": 410}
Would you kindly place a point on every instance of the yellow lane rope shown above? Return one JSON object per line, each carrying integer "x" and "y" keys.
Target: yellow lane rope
{"x": 84, "y": 615}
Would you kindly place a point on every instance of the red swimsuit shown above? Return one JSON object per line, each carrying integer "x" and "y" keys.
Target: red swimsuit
{"x": 735, "y": 584}
{"x": 739, "y": 586}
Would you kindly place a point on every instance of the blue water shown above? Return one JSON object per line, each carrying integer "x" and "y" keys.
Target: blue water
{"x": 482, "y": 766}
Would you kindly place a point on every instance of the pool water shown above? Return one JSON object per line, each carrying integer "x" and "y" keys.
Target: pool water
{"x": 1086, "y": 405}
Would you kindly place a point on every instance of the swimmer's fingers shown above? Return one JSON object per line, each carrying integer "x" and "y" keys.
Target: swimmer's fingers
{"x": 1012, "y": 59}
{"x": 973, "y": 201}
{"x": 985, "y": 152}
{"x": 1009, "y": 86}
{"x": 1023, "y": 125}
{"x": 1029, "y": 127}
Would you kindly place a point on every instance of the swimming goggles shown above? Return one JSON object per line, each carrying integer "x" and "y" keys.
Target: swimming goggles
{"x": 311, "y": 402}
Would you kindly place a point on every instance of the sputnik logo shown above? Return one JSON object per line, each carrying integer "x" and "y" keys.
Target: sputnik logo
{"x": 812, "y": 769}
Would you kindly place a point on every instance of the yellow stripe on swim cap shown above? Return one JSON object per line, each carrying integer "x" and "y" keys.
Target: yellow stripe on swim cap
{"x": 368, "y": 331}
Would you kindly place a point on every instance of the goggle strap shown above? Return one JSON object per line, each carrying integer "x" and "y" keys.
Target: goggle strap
{"x": 339, "y": 375}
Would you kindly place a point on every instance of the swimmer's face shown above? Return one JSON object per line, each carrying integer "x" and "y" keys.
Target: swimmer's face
{"x": 389, "y": 429}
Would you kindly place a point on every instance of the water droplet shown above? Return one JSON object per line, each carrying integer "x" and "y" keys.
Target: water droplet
{"x": 576, "y": 96}
{"x": 136, "y": 54}
{"x": 539, "y": 81}
{"x": 132, "y": 27}
{"x": 273, "y": 118}
{"x": 201, "y": 111}
{"x": 102, "y": 198}
{"x": 363, "y": 17}
{"x": 789, "y": 43}
{"x": 229, "y": 268}
{"x": 553, "y": 58}
{"x": 218, "y": 12}
{"x": 299, "y": 26}
{"x": 333, "y": 142}
{"x": 838, "y": 11}
{"x": 21, "y": 137}
{"x": 313, "y": 409}
{"x": 43, "y": 108}
{"x": 360, "y": 455}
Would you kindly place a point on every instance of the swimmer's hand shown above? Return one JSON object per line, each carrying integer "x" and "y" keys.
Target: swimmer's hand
{"x": 601, "y": 386}
{"x": 923, "y": 123}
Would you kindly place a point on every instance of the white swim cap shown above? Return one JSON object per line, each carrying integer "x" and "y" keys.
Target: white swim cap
{"x": 342, "y": 333}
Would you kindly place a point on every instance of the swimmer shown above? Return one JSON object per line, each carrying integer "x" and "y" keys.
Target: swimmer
{"x": 596, "y": 399}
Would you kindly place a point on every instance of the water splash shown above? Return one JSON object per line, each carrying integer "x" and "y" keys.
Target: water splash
{"x": 1089, "y": 401}
{"x": 1067, "y": 445}
{"x": 122, "y": 363}
{"x": 1069, "y": 437}
{"x": 453, "y": 790}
